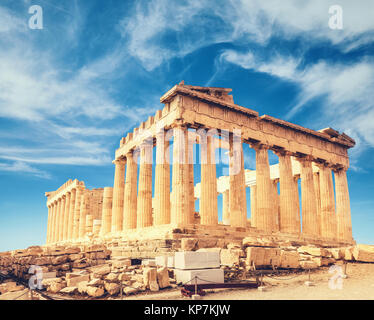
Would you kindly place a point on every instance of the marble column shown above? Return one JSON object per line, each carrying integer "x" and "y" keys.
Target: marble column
{"x": 237, "y": 203}
{"x": 53, "y": 232}
{"x": 265, "y": 217}
{"x": 106, "y": 219}
{"x": 71, "y": 214}
{"x": 190, "y": 157}
{"x": 61, "y": 219}
{"x": 96, "y": 226}
{"x": 208, "y": 198}
{"x": 226, "y": 207}
{"x": 328, "y": 216}
{"x": 84, "y": 209}
{"x": 130, "y": 196}
{"x": 318, "y": 201}
{"x": 162, "y": 180}
{"x": 89, "y": 224}
{"x": 66, "y": 216}
{"x": 276, "y": 203}
{"x": 180, "y": 205}
{"x": 253, "y": 197}
{"x": 144, "y": 204}
{"x": 289, "y": 196}
{"x": 343, "y": 208}
{"x": 77, "y": 210}
{"x": 308, "y": 198}
{"x": 49, "y": 223}
{"x": 118, "y": 193}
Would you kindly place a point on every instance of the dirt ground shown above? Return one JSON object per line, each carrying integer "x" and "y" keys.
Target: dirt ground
{"x": 359, "y": 285}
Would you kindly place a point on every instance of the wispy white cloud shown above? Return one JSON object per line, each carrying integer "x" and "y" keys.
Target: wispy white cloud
{"x": 22, "y": 167}
{"x": 161, "y": 30}
{"x": 347, "y": 89}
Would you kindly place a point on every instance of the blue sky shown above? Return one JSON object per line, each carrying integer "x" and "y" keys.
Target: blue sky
{"x": 70, "y": 91}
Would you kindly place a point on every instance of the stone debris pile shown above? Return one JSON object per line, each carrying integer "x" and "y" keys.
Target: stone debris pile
{"x": 94, "y": 271}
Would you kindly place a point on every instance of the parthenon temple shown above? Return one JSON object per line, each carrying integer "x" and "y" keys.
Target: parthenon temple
{"x": 157, "y": 190}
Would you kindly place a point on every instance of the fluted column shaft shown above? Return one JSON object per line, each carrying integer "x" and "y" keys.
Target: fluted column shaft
{"x": 180, "y": 205}
{"x": 343, "y": 208}
{"x": 130, "y": 197}
{"x": 144, "y": 205}
{"x": 89, "y": 223}
{"x": 118, "y": 193}
{"x": 191, "y": 193}
{"x": 308, "y": 199}
{"x": 54, "y": 223}
{"x": 265, "y": 218}
{"x": 71, "y": 214}
{"x": 106, "y": 219}
{"x": 208, "y": 199}
{"x": 226, "y": 207}
{"x": 328, "y": 216}
{"x": 238, "y": 204}
{"x": 276, "y": 203}
{"x": 84, "y": 209}
{"x": 49, "y": 223}
{"x": 61, "y": 219}
{"x": 77, "y": 211}
{"x": 253, "y": 198}
{"x": 162, "y": 181}
{"x": 289, "y": 196}
{"x": 66, "y": 216}
{"x": 318, "y": 201}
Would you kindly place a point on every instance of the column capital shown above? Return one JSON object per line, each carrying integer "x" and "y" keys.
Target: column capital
{"x": 305, "y": 158}
{"x": 324, "y": 165}
{"x": 283, "y": 152}
{"x": 119, "y": 161}
{"x": 339, "y": 168}
{"x": 179, "y": 124}
{"x": 259, "y": 146}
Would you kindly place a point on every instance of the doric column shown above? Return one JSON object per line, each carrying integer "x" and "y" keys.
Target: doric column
{"x": 66, "y": 216}
{"x": 276, "y": 203}
{"x": 48, "y": 223}
{"x": 289, "y": 196}
{"x": 190, "y": 157}
{"x": 130, "y": 197}
{"x": 308, "y": 198}
{"x": 61, "y": 219}
{"x": 89, "y": 224}
{"x": 54, "y": 221}
{"x": 226, "y": 207}
{"x": 96, "y": 226}
{"x": 328, "y": 217}
{"x": 265, "y": 217}
{"x": 144, "y": 205}
{"x": 118, "y": 192}
{"x": 208, "y": 198}
{"x": 238, "y": 203}
{"x": 180, "y": 205}
{"x": 318, "y": 201}
{"x": 106, "y": 218}
{"x": 77, "y": 212}
{"x": 162, "y": 180}
{"x": 343, "y": 208}
{"x": 71, "y": 214}
{"x": 253, "y": 198}
{"x": 84, "y": 209}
